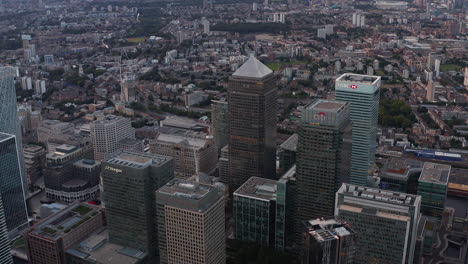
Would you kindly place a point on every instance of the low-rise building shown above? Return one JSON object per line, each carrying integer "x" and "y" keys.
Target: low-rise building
{"x": 48, "y": 240}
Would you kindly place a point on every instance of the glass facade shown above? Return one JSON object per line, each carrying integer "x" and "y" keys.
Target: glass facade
{"x": 5, "y": 255}
{"x": 11, "y": 186}
{"x": 363, "y": 93}
{"x": 8, "y": 114}
{"x": 254, "y": 220}
{"x": 130, "y": 180}
{"x": 322, "y": 157}
{"x": 433, "y": 198}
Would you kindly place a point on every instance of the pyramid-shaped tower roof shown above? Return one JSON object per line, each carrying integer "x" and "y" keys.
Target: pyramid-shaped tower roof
{"x": 252, "y": 68}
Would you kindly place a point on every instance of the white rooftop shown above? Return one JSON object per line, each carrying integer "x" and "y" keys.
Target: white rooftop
{"x": 252, "y": 68}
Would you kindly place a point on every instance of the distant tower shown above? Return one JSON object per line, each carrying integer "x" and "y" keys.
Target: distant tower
{"x": 220, "y": 123}
{"x": 465, "y": 81}
{"x": 363, "y": 92}
{"x": 265, "y": 2}
{"x": 437, "y": 67}
{"x": 108, "y": 132}
{"x": 252, "y": 97}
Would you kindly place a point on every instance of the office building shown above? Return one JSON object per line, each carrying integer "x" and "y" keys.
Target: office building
{"x": 54, "y": 133}
{"x": 223, "y": 164}
{"x": 328, "y": 240}
{"x": 287, "y": 154}
{"x": 254, "y": 210}
{"x": 264, "y": 211}
{"x": 191, "y": 223}
{"x": 9, "y": 115}
{"x": 48, "y": 240}
{"x": 363, "y": 93}
{"x": 130, "y": 180}
{"x": 220, "y": 122}
{"x": 323, "y": 151}
{"x": 252, "y": 101}
{"x": 5, "y": 255}
{"x": 286, "y": 211}
{"x": 385, "y": 223}
{"x": 11, "y": 186}
{"x": 432, "y": 186}
{"x": 191, "y": 154}
{"x": 107, "y": 132}
{"x": 61, "y": 177}
{"x": 401, "y": 175}
{"x": 35, "y": 160}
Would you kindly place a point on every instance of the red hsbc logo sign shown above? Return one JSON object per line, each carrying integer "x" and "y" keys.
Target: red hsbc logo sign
{"x": 353, "y": 86}
{"x": 320, "y": 116}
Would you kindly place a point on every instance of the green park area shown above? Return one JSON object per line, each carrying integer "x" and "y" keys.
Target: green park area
{"x": 450, "y": 67}
{"x": 136, "y": 40}
{"x": 277, "y": 65}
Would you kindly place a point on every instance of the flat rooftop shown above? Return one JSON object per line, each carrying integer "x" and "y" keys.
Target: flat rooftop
{"x": 400, "y": 168}
{"x": 322, "y": 104}
{"x": 97, "y": 249}
{"x": 137, "y": 159}
{"x": 358, "y": 78}
{"x": 258, "y": 188}
{"x": 186, "y": 189}
{"x": 435, "y": 173}
{"x": 322, "y": 229}
{"x": 87, "y": 163}
{"x": 378, "y": 195}
{"x": 57, "y": 225}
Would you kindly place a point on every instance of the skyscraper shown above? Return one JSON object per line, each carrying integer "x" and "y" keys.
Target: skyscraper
{"x": 11, "y": 186}
{"x": 9, "y": 116}
{"x": 363, "y": 93}
{"x": 191, "y": 223}
{"x": 130, "y": 180}
{"x": 252, "y": 98}
{"x": 106, "y": 133}
{"x": 5, "y": 255}
{"x": 385, "y": 223}
{"x": 327, "y": 241}
{"x": 323, "y": 151}
{"x": 220, "y": 121}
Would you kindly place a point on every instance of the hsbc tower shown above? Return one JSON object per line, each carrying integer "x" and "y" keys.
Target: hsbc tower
{"x": 363, "y": 93}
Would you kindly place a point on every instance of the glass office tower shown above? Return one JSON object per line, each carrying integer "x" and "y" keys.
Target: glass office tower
{"x": 11, "y": 186}
{"x": 362, "y": 92}
{"x": 9, "y": 116}
{"x": 323, "y": 152}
